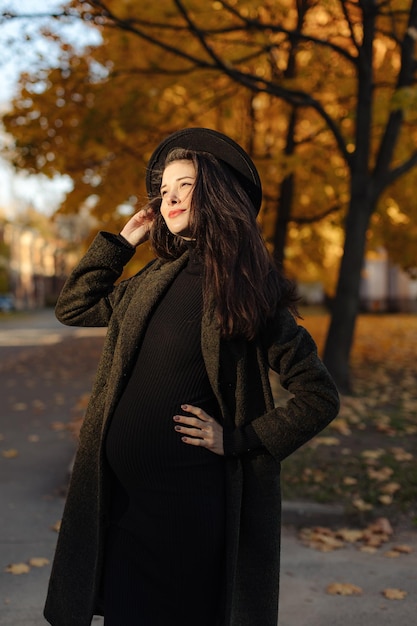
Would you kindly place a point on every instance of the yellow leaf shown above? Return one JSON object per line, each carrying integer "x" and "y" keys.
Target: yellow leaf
{"x": 390, "y": 488}
{"x": 18, "y": 568}
{"x": 57, "y": 526}
{"x": 382, "y": 474}
{"x": 38, "y": 561}
{"x": 341, "y": 426}
{"x": 368, "y": 549}
{"x": 10, "y": 454}
{"x": 349, "y": 535}
{"x": 401, "y": 455}
{"x": 321, "y": 538}
{"x": 361, "y": 505}
{"x": 349, "y": 481}
{"x": 373, "y": 454}
{"x": 385, "y": 499}
{"x": 392, "y": 554}
{"x": 343, "y": 589}
{"x": 381, "y": 525}
{"x": 403, "y": 549}
{"x": 19, "y": 406}
{"x": 324, "y": 441}
{"x": 394, "y": 594}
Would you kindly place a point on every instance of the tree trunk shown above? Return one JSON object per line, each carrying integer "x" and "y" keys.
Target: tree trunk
{"x": 346, "y": 303}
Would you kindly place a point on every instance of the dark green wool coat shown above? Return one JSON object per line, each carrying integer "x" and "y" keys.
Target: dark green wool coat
{"x": 90, "y": 298}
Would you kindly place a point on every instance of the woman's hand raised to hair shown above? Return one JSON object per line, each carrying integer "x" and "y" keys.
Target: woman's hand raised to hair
{"x": 136, "y": 230}
{"x": 200, "y": 430}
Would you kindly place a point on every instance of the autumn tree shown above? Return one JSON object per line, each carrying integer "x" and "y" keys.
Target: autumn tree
{"x": 331, "y": 107}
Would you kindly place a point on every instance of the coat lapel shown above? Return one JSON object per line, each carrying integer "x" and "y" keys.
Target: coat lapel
{"x": 210, "y": 347}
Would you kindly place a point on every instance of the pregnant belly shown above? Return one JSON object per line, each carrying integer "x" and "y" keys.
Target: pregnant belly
{"x": 145, "y": 452}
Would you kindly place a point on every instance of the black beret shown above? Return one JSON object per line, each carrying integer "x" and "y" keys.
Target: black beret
{"x": 217, "y": 144}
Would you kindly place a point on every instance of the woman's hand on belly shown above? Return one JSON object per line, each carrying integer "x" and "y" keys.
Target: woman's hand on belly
{"x": 200, "y": 430}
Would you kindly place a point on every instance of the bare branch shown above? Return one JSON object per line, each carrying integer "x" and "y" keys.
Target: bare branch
{"x": 402, "y": 169}
{"x": 405, "y": 78}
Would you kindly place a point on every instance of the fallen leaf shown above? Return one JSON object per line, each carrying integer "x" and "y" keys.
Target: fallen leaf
{"x": 343, "y": 589}
{"x": 57, "y": 526}
{"x": 349, "y": 481}
{"x": 38, "y": 561}
{"x": 373, "y": 454}
{"x": 369, "y": 549}
{"x": 381, "y": 474}
{"x": 391, "y": 488}
{"x": 10, "y": 454}
{"x": 394, "y": 594}
{"x": 58, "y": 426}
{"x": 392, "y": 554}
{"x": 18, "y": 568}
{"x": 320, "y": 538}
{"x": 385, "y": 499}
{"x": 381, "y": 525}
{"x": 19, "y": 406}
{"x": 361, "y": 505}
{"x": 401, "y": 455}
{"x": 403, "y": 549}
{"x": 341, "y": 426}
{"x": 349, "y": 535}
{"x": 324, "y": 441}
{"x": 38, "y": 405}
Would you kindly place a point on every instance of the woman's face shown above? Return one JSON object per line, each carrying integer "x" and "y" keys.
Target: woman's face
{"x": 176, "y": 191}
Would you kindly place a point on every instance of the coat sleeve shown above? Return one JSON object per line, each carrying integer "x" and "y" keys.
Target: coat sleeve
{"x": 292, "y": 353}
{"x": 89, "y": 294}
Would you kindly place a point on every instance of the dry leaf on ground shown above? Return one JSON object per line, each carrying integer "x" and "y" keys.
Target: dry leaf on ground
{"x": 403, "y": 548}
{"x": 394, "y": 594}
{"x": 38, "y": 561}
{"x": 10, "y": 454}
{"x": 17, "y": 568}
{"x": 324, "y": 441}
{"x": 57, "y": 526}
{"x": 19, "y": 406}
{"x": 392, "y": 554}
{"x": 361, "y": 505}
{"x": 343, "y": 589}
{"x": 372, "y": 537}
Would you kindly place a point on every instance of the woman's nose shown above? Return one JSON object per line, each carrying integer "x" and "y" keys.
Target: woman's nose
{"x": 172, "y": 197}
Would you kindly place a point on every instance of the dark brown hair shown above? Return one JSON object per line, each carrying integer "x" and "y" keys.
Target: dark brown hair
{"x": 240, "y": 278}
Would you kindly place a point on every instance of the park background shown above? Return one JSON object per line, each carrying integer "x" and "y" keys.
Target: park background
{"x": 323, "y": 95}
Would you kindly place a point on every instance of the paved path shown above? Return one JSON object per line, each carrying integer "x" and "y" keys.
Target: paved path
{"x": 44, "y": 371}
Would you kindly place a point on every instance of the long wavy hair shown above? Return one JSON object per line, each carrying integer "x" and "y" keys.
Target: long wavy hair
{"x": 240, "y": 279}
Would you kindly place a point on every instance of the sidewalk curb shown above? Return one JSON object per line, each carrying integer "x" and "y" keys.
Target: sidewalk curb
{"x": 299, "y": 514}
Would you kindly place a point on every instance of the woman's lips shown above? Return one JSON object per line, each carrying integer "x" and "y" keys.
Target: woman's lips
{"x": 175, "y": 213}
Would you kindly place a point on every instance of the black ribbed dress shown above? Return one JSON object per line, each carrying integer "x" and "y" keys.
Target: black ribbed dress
{"x": 164, "y": 560}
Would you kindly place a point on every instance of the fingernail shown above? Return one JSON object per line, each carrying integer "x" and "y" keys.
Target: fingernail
{"x": 184, "y": 406}
{"x": 176, "y": 418}
{"x": 177, "y": 428}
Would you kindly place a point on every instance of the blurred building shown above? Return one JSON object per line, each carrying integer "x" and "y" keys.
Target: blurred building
{"x": 386, "y": 287}
{"x": 33, "y": 266}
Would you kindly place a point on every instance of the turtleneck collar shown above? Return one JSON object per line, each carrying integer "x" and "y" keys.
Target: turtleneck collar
{"x": 195, "y": 263}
